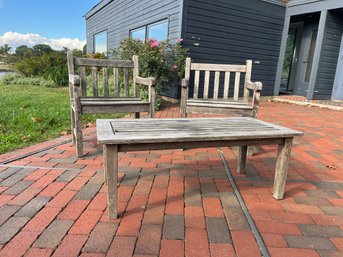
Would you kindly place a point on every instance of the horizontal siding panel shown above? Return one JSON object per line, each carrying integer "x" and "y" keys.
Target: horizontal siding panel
{"x": 268, "y": 12}
{"x": 119, "y": 17}
{"x": 232, "y": 17}
{"x": 233, "y": 31}
{"x": 329, "y": 56}
{"x": 234, "y": 46}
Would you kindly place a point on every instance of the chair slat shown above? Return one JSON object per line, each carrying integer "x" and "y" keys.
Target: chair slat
{"x": 217, "y": 67}
{"x": 236, "y": 90}
{"x": 206, "y": 84}
{"x": 126, "y": 82}
{"x": 196, "y": 84}
{"x": 103, "y": 63}
{"x": 216, "y": 85}
{"x": 226, "y": 85}
{"x": 83, "y": 81}
{"x": 95, "y": 81}
{"x": 105, "y": 73}
{"x": 116, "y": 82}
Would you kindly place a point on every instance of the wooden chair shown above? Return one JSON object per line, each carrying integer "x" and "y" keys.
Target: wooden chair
{"x": 223, "y": 99}
{"x": 106, "y": 98}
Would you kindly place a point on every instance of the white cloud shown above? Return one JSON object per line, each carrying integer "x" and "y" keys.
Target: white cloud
{"x": 14, "y": 39}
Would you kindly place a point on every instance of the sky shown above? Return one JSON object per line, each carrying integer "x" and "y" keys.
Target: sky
{"x": 59, "y": 23}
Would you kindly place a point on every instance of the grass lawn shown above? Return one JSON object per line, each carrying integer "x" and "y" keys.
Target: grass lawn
{"x": 32, "y": 114}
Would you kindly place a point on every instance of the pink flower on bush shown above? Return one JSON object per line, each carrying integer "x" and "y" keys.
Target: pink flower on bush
{"x": 154, "y": 44}
{"x": 174, "y": 66}
{"x": 149, "y": 39}
{"x": 179, "y": 40}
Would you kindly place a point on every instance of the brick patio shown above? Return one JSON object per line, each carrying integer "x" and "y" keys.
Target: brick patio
{"x": 178, "y": 203}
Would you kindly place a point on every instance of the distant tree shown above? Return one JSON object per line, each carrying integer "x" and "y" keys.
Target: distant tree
{"x": 77, "y": 52}
{"x": 84, "y": 49}
{"x": 41, "y": 49}
{"x": 23, "y": 50}
{"x": 5, "y": 51}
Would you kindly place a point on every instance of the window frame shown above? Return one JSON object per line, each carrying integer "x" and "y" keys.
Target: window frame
{"x": 94, "y": 41}
{"x": 139, "y": 28}
{"x": 146, "y": 26}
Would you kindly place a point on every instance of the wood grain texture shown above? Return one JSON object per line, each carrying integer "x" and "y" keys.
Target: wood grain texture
{"x": 116, "y": 82}
{"x": 242, "y": 158}
{"x": 126, "y": 135}
{"x": 125, "y": 131}
{"x": 83, "y": 81}
{"x": 95, "y": 81}
{"x": 229, "y": 105}
{"x": 281, "y": 170}
{"x": 105, "y": 75}
{"x": 111, "y": 171}
{"x": 96, "y": 102}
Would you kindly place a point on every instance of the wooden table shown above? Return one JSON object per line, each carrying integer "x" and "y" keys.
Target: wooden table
{"x": 124, "y": 135}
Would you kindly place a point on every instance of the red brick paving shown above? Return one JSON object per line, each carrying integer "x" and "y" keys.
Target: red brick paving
{"x": 191, "y": 184}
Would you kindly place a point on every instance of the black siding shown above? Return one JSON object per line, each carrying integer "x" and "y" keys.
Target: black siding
{"x": 118, "y": 17}
{"x": 329, "y": 56}
{"x": 221, "y": 31}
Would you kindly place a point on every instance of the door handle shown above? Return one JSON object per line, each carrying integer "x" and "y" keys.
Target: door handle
{"x": 305, "y": 61}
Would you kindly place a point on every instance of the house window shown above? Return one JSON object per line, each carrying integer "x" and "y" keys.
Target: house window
{"x": 100, "y": 42}
{"x": 138, "y": 33}
{"x": 157, "y": 30}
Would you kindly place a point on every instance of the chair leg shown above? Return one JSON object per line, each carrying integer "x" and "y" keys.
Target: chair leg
{"x": 78, "y": 132}
{"x": 251, "y": 150}
{"x": 72, "y": 123}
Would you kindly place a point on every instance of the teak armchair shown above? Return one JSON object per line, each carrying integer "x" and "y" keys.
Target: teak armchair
{"x": 120, "y": 96}
{"x": 222, "y": 98}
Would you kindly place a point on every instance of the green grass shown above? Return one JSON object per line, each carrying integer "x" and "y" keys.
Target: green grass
{"x": 31, "y": 114}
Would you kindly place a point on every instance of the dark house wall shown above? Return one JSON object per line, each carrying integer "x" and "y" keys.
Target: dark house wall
{"x": 329, "y": 56}
{"x": 221, "y": 31}
{"x": 118, "y": 17}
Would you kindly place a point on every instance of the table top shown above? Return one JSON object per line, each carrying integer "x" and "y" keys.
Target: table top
{"x": 133, "y": 131}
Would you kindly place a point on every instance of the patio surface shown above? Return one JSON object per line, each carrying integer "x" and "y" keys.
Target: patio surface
{"x": 178, "y": 203}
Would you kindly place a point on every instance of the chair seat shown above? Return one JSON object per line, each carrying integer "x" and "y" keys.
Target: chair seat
{"x": 94, "y": 105}
{"x": 219, "y": 104}
{"x": 111, "y": 101}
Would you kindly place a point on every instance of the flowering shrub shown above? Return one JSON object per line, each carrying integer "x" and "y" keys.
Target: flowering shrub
{"x": 163, "y": 60}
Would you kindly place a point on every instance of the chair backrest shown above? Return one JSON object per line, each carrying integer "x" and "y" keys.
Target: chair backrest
{"x": 223, "y": 74}
{"x": 105, "y": 77}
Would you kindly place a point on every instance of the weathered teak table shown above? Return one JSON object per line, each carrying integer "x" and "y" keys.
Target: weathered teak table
{"x": 126, "y": 135}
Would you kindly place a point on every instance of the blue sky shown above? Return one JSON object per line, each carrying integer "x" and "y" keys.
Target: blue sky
{"x": 43, "y": 20}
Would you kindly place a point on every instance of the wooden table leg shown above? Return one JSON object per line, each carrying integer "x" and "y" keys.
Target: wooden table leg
{"x": 111, "y": 175}
{"x": 281, "y": 169}
{"x": 242, "y": 159}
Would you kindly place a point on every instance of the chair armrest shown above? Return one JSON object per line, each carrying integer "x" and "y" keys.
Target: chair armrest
{"x": 256, "y": 86}
{"x": 150, "y": 81}
{"x": 184, "y": 82}
{"x": 74, "y": 80}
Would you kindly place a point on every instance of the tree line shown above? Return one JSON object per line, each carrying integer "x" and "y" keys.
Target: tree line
{"x": 40, "y": 61}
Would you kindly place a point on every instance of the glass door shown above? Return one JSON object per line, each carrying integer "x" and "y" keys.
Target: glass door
{"x": 288, "y": 61}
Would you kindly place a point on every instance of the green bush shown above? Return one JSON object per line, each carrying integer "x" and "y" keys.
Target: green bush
{"x": 163, "y": 60}
{"x": 56, "y": 69}
{"x": 17, "y": 79}
{"x": 52, "y": 66}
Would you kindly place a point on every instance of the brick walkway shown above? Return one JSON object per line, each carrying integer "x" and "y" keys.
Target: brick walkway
{"x": 178, "y": 203}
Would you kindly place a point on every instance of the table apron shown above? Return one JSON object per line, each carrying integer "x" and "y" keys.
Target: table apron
{"x": 197, "y": 144}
